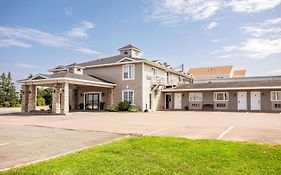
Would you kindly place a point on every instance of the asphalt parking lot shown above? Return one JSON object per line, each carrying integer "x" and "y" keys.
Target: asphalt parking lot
{"x": 25, "y": 138}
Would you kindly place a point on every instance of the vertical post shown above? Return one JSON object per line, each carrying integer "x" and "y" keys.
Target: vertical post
{"x": 65, "y": 98}
{"x": 24, "y": 98}
{"x": 31, "y": 98}
{"x": 110, "y": 98}
{"x": 56, "y": 99}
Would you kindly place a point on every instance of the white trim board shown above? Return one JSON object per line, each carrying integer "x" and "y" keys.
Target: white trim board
{"x": 218, "y": 89}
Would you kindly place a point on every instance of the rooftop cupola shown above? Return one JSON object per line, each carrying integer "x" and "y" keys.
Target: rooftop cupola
{"x": 130, "y": 51}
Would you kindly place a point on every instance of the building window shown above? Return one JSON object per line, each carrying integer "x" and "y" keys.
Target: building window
{"x": 275, "y": 95}
{"x": 195, "y": 97}
{"x": 128, "y": 95}
{"x": 221, "y": 105}
{"x": 221, "y": 96}
{"x": 154, "y": 71}
{"x": 277, "y": 105}
{"x": 128, "y": 72}
{"x": 196, "y": 105}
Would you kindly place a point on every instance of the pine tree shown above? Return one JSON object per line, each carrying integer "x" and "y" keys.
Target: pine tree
{"x": 8, "y": 94}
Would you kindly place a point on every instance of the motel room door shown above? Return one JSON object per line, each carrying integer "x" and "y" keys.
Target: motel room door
{"x": 242, "y": 101}
{"x": 177, "y": 100}
{"x": 168, "y": 101}
{"x": 256, "y": 101}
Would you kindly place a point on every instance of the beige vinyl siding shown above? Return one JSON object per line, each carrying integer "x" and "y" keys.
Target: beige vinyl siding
{"x": 114, "y": 74}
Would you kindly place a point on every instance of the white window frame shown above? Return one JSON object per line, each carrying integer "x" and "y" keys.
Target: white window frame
{"x": 127, "y": 91}
{"x": 226, "y": 96}
{"x": 195, "y": 93}
{"x": 130, "y": 77}
{"x": 154, "y": 71}
{"x": 275, "y": 92}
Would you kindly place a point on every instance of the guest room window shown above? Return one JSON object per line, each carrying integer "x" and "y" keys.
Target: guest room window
{"x": 275, "y": 95}
{"x": 221, "y": 96}
{"x": 195, "y": 97}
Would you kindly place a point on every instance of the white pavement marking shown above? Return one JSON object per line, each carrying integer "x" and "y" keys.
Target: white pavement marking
{"x": 153, "y": 132}
{"x": 64, "y": 154}
{"x": 226, "y": 131}
{"x": 3, "y": 144}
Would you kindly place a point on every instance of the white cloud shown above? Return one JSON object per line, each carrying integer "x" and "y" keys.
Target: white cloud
{"x": 264, "y": 40}
{"x": 68, "y": 11}
{"x": 81, "y": 31}
{"x": 212, "y": 25}
{"x": 87, "y": 51}
{"x": 7, "y": 42}
{"x": 24, "y": 65}
{"x": 252, "y": 6}
{"x": 174, "y": 11}
{"x": 19, "y": 35}
{"x": 25, "y": 37}
{"x": 179, "y": 11}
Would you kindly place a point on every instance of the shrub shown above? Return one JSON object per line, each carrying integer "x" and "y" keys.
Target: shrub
{"x": 41, "y": 101}
{"x": 124, "y": 106}
{"x": 114, "y": 108}
{"x": 133, "y": 109}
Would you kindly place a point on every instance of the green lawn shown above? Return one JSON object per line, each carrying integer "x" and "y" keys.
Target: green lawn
{"x": 165, "y": 155}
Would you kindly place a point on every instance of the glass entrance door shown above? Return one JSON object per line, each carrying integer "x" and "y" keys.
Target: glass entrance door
{"x": 92, "y": 101}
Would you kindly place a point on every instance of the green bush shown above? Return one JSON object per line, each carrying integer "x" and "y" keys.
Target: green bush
{"x": 124, "y": 106}
{"x": 114, "y": 108}
{"x": 133, "y": 109}
{"x": 41, "y": 101}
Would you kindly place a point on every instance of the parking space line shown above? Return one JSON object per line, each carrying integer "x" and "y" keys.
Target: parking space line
{"x": 3, "y": 144}
{"x": 226, "y": 131}
{"x": 153, "y": 132}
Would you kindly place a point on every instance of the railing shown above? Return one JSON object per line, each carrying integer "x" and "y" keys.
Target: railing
{"x": 158, "y": 80}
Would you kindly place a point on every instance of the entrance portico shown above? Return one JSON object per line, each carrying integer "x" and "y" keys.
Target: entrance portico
{"x": 67, "y": 91}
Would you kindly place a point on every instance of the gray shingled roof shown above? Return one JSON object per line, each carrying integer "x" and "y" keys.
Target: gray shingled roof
{"x": 78, "y": 76}
{"x": 265, "y": 83}
{"x": 130, "y": 46}
{"x": 107, "y": 60}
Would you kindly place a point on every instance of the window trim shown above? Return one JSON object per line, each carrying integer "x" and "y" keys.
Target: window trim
{"x": 133, "y": 72}
{"x": 192, "y": 93}
{"x": 271, "y": 96}
{"x": 133, "y": 97}
{"x": 215, "y": 95}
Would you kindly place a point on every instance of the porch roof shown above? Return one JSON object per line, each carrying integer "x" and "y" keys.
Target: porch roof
{"x": 47, "y": 79}
{"x": 242, "y": 85}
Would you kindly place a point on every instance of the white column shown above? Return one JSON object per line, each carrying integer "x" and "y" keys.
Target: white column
{"x": 31, "y": 98}
{"x": 56, "y": 99}
{"x": 65, "y": 98}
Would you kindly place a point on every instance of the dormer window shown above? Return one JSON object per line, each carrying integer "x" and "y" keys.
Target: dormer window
{"x": 125, "y": 53}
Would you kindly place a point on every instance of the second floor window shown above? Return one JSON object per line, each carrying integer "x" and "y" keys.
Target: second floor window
{"x": 128, "y": 72}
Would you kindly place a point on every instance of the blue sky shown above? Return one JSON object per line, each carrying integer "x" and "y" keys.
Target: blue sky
{"x": 38, "y": 35}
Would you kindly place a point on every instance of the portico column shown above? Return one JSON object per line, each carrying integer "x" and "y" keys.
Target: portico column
{"x": 110, "y": 98}
{"x": 31, "y": 98}
{"x": 56, "y": 99}
{"x": 65, "y": 98}
{"x": 24, "y": 98}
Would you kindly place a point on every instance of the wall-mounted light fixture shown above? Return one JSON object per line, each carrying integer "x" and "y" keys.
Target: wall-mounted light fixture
{"x": 81, "y": 94}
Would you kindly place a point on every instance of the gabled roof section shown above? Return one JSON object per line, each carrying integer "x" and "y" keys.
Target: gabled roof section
{"x": 58, "y": 68}
{"x": 130, "y": 46}
{"x": 40, "y": 77}
{"x": 208, "y": 71}
{"x": 239, "y": 73}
